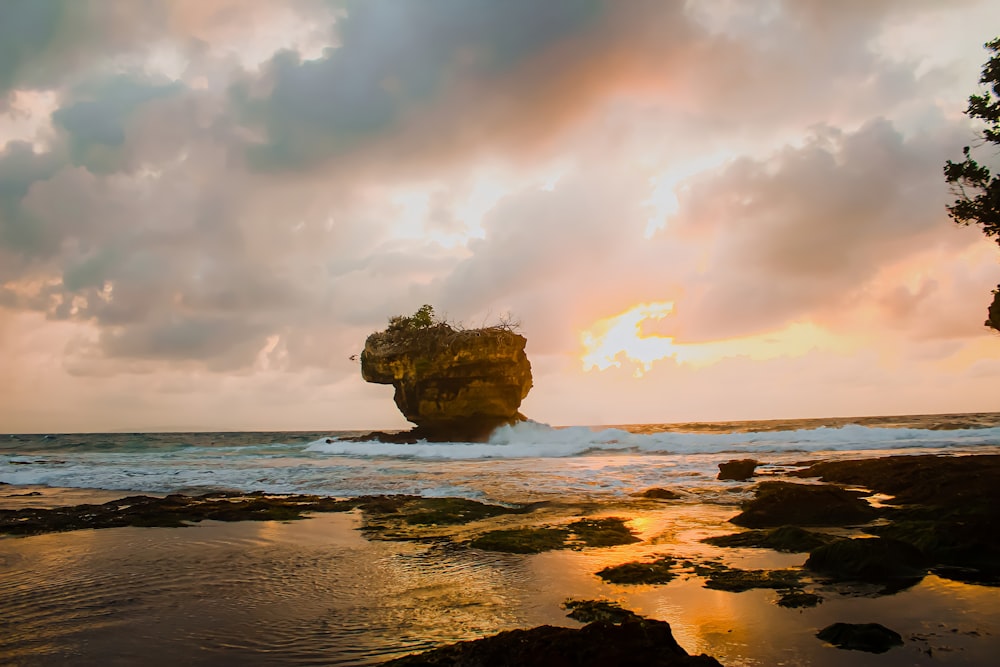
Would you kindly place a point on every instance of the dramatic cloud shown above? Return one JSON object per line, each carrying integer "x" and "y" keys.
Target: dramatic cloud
{"x": 228, "y": 195}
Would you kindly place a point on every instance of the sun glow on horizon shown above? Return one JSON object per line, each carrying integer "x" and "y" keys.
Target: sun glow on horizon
{"x": 619, "y": 340}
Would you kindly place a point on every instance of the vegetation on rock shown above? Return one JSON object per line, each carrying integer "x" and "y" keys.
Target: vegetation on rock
{"x": 873, "y": 559}
{"x": 735, "y": 580}
{"x": 659, "y": 571}
{"x": 799, "y": 600}
{"x": 607, "y": 532}
{"x": 588, "y": 611}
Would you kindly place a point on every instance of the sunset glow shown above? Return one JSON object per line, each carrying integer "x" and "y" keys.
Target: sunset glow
{"x": 204, "y": 237}
{"x": 619, "y": 341}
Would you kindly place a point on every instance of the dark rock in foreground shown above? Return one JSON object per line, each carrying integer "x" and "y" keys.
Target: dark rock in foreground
{"x": 739, "y": 470}
{"x": 784, "y": 503}
{"x": 932, "y": 480}
{"x": 946, "y": 506}
{"x": 636, "y": 643}
{"x": 875, "y": 559}
{"x": 870, "y": 637}
{"x": 453, "y": 384}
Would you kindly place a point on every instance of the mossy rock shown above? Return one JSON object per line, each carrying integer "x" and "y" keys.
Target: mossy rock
{"x": 582, "y": 533}
{"x": 607, "y": 532}
{"x": 785, "y": 503}
{"x": 659, "y": 571}
{"x": 657, "y": 493}
{"x": 799, "y": 600}
{"x": 875, "y": 559}
{"x": 173, "y": 511}
{"x": 451, "y": 511}
{"x": 522, "y": 540}
{"x": 722, "y": 578}
{"x": 588, "y": 611}
{"x": 789, "y": 539}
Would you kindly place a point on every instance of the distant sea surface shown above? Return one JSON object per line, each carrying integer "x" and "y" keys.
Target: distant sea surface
{"x": 525, "y": 462}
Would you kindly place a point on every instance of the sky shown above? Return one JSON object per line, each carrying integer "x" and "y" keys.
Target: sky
{"x": 702, "y": 210}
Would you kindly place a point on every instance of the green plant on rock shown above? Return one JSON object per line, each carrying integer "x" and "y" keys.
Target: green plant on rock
{"x": 422, "y": 319}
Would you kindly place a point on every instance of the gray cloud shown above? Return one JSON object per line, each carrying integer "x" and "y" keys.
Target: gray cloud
{"x": 192, "y": 224}
{"x": 804, "y": 229}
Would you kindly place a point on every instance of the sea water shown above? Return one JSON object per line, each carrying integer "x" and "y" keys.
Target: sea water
{"x": 319, "y": 592}
{"x": 518, "y": 463}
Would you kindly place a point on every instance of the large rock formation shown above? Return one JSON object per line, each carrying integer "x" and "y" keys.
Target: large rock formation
{"x": 454, "y": 384}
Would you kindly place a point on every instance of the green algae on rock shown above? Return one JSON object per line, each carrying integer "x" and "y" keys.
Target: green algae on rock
{"x": 789, "y": 539}
{"x": 453, "y": 383}
{"x": 799, "y": 599}
{"x": 659, "y": 571}
{"x": 785, "y": 503}
{"x": 871, "y": 559}
{"x": 723, "y": 578}
{"x": 605, "y": 532}
{"x": 588, "y": 611}
{"x": 522, "y": 540}
{"x": 173, "y": 511}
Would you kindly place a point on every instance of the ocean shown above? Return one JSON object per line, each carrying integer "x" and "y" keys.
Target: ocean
{"x": 528, "y": 461}
{"x": 322, "y": 591}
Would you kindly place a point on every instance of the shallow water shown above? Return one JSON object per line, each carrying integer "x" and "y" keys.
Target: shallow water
{"x": 316, "y": 592}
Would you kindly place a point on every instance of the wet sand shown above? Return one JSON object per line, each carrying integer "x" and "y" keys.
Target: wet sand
{"x": 317, "y": 591}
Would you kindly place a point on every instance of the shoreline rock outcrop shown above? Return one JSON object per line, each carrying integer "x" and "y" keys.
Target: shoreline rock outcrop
{"x": 454, "y": 384}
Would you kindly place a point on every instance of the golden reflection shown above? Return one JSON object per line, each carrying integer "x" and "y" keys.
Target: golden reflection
{"x": 620, "y": 341}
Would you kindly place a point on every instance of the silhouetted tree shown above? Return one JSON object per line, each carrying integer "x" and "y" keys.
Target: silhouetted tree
{"x": 976, "y": 190}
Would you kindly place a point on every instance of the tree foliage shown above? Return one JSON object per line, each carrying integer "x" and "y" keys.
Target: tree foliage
{"x": 976, "y": 189}
{"x": 422, "y": 319}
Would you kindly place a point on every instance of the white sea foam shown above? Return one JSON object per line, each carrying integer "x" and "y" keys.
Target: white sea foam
{"x": 535, "y": 440}
{"x": 518, "y": 462}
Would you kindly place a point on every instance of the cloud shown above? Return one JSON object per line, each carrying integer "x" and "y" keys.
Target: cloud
{"x": 804, "y": 229}
{"x": 224, "y": 184}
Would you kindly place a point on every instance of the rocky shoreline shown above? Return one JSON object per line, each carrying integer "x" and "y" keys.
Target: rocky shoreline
{"x": 873, "y": 525}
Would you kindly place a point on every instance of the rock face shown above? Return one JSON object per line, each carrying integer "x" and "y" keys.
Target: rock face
{"x": 453, "y": 384}
{"x": 738, "y": 469}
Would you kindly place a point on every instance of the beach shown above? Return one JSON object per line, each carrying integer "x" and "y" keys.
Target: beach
{"x": 368, "y": 583}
